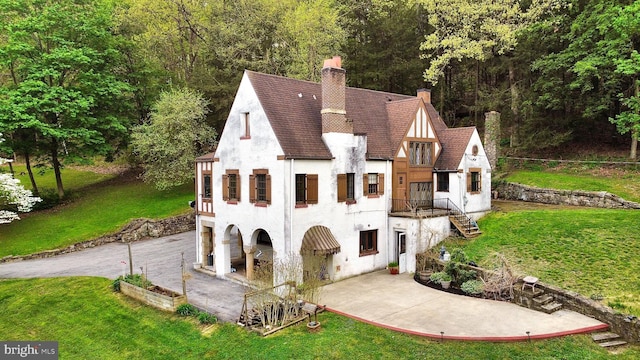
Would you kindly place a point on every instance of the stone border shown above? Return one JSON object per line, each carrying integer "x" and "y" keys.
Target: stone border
{"x": 601, "y": 199}
{"x": 138, "y": 229}
{"x": 628, "y": 328}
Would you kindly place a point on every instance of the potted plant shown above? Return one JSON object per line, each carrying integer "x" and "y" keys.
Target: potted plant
{"x": 394, "y": 269}
{"x": 441, "y": 278}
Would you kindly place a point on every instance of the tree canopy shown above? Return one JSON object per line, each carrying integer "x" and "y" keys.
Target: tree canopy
{"x": 174, "y": 136}
{"x": 61, "y": 88}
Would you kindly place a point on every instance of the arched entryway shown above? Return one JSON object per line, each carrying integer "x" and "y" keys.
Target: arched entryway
{"x": 259, "y": 256}
{"x": 234, "y": 238}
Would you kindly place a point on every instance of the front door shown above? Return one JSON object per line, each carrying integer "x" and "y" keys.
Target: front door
{"x": 401, "y": 243}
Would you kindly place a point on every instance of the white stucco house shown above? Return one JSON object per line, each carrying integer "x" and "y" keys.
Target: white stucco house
{"x": 357, "y": 177}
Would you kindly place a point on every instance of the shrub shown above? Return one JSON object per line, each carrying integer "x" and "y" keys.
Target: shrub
{"x": 135, "y": 279}
{"x": 187, "y": 310}
{"x": 439, "y": 277}
{"x": 472, "y": 287}
{"x": 206, "y": 318}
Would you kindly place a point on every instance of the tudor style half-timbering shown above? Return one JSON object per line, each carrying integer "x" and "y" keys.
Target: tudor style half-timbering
{"x": 355, "y": 177}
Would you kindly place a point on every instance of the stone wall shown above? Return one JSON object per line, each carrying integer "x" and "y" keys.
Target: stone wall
{"x": 628, "y": 327}
{"x": 137, "y": 229}
{"x": 602, "y": 199}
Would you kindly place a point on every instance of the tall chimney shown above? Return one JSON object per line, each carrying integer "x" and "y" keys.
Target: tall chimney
{"x": 334, "y": 114}
{"x": 425, "y": 95}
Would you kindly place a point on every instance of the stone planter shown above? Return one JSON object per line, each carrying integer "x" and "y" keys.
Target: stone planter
{"x": 445, "y": 284}
{"x": 424, "y": 275}
{"x": 313, "y": 326}
{"x": 165, "y": 299}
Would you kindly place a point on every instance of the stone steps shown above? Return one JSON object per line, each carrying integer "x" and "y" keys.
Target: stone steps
{"x": 551, "y": 307}
{"x": 608, "y": 340}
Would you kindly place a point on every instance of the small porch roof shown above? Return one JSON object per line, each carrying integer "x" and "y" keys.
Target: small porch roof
{"x": 318, "y": 241}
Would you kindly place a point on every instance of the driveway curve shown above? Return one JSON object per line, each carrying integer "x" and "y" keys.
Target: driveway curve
{"x": 159, "y": 258}
{"x": 392, "y": 301}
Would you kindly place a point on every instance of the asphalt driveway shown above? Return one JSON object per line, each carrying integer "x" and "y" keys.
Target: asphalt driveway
{"x": 159, "y": 258}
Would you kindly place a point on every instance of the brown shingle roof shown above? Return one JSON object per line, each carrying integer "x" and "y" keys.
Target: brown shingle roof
{"x": 293, "y": 108}
{"x": 454, "y": 143}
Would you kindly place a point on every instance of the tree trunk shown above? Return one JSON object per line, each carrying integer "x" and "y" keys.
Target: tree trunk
{"x": 27, "y": 160}
{"x": 514, "y": 104}
{"x": 634, "y": 145}
{"x": 634, "y": 133}
{"x": 56, "y": 167}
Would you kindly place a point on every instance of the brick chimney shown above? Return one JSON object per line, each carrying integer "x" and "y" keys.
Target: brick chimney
{"x": 334, "y": 114}
{"x": 425, "y": 95}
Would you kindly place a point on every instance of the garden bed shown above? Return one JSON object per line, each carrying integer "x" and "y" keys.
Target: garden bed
{"x": 155, "y": 296}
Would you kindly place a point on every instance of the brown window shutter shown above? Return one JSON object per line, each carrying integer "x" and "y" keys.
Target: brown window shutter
{"x": 225, "y": 187}
{"x": 381, "y": 184}
{"x": 238, "y": 186}
{"x": 469, "y": 181}
{"x": 268, "y": 185}
{"x": 342, "y": 187}
{"x": 365, "y": 184}
{"x": 312, "y": 189}
{"x": 252, "y": 188}
{"x": 479, "y": 181}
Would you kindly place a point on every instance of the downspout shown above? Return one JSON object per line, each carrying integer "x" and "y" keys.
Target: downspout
{"x": 387, "y": 192}
{"x": 292, "y": 202}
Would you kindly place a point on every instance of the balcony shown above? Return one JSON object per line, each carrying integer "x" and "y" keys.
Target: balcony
{"x": 420, "y": 208}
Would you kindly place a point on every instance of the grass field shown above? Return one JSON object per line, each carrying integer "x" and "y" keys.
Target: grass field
{"x": 625, "y": 184}
{"x": 101, "y": 204}
{"x": 590, "y": 251}
{"x": 90, "y": 321}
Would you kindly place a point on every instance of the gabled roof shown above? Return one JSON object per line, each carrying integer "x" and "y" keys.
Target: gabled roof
{"x": 205, "y": 157}
{"x": 454, "y": 143}
{"x": 293, "y": 109}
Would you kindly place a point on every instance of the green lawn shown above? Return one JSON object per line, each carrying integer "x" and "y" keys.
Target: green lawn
{"x": 90, "y": 321}
{"x": 590, "y": 251}
{"x": 98, "y": 207}
{"x": 622, "y": 183}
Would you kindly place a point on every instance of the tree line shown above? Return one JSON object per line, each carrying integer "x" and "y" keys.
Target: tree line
{"x": 81, "y": 78}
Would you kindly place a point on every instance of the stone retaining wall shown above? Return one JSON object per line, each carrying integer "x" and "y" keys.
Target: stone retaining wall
{"x": 624, "y": 325}
{"x": 137, "y": 229}
{"x": 602, "y": 199}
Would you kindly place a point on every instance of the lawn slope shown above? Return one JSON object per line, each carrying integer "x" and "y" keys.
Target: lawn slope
{"x": 100, "y": 204}
{"x": 90, "y": 321}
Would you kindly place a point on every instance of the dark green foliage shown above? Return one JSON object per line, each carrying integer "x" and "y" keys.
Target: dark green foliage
{"x": 187, "y": 310}
{"x": 135, "y": 279}
{"x": 206, "y": 318}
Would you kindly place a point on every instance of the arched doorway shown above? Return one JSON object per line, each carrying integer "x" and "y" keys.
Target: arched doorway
{"x": 262, "y": 257}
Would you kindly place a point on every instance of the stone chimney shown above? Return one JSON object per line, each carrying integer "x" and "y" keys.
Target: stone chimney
{"x": 425, "y": 95}
{"x": 334, "y": 114}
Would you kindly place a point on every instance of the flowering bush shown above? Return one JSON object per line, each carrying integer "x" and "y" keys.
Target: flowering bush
{"x": 14, "y": 197}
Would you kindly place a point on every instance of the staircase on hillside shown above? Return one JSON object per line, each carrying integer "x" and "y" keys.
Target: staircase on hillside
{"x": 535, "y": 298}
{"x": 465, "y": 225}
{"x": 608, "y": 340}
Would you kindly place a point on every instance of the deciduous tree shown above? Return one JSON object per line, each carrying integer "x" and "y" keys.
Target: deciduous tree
{"x": 173, "y": 137}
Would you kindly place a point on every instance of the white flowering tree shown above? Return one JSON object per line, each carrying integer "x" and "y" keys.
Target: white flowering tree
{"x": 14, "y": 198}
